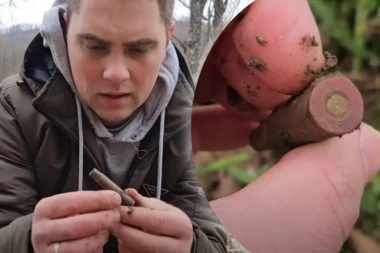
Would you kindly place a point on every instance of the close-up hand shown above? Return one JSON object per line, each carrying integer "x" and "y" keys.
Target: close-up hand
{"x": 153, "y": 226}
{"x": 75, "y": 222}
{"x": 269, "y": 53}
{"x": 310, "y": 200}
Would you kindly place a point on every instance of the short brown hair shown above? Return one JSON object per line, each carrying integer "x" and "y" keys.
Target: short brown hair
{"x": 166, "y": 9}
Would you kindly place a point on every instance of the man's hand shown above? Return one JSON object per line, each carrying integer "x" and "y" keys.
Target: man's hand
{"x": 153, "y": 226}
{"x": 310, "y": 200}
{"x": 269, "y": 54}
{"x": 78, "y": 221}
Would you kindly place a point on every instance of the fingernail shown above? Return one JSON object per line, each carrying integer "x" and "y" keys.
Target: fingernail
{"x": 370, "y": 149}
{"x": 130, "y": 191}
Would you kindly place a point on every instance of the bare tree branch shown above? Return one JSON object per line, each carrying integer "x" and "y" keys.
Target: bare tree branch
{"x": 195, "y": 11}
{"x": 207, "y": 19}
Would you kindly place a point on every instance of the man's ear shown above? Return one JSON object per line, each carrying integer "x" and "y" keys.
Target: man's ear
{"x": 171, "y": 30}
{"x": 65, "y": 17}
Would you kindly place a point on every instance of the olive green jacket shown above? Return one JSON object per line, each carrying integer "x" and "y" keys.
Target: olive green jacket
{"x": 39, "y": 154}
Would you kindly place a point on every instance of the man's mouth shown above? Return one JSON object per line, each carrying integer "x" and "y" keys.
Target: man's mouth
{"x": 115, "y": 95}
{"x": 115, "y": 99}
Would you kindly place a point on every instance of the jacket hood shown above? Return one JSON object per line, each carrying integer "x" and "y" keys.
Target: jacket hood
{"x": 53, "y": 31}
{"x": 55, "y": 57}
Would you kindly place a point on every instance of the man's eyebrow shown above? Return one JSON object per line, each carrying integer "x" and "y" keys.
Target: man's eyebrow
{"x": 93, "y": 38}
{"x": 146, "y": 42}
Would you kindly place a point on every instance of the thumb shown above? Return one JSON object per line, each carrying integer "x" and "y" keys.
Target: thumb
{"x": 142, "y": 201}
{"x": 137, "y": 197}
{"x": 354, "y": 156}
{"x": 307, "y": 202}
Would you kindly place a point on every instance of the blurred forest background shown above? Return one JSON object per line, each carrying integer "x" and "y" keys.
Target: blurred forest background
{"x": 350, "y": 30}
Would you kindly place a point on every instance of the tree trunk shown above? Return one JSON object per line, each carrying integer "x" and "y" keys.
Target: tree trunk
{"x": 193, "y": 43}
{"x": 220, "y": 7}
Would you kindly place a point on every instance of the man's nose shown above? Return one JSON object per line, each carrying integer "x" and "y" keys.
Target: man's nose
{"x": 116, "y": 70}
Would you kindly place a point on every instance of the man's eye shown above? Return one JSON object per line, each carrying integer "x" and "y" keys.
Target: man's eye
{"x": 137, "y": 50}
{"x": 95, "y": 48}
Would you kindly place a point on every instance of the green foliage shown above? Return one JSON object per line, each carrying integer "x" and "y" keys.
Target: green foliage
{"x": 370, "y": 200}
{"x": 370, "y": 209}
{"x": 351, "y": 29}
{"x": 345, "y": 23}
{"x": 223, "y": 163}
{"x": 347, "y": 248}
{"x": 242, "y": 176}
{"x": 230, "y": 165}
{"x": 376, "y": 119}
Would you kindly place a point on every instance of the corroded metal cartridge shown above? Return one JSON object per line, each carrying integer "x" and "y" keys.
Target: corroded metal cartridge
{"x": 107, "y": 184}
{"x": 331, "y": 106}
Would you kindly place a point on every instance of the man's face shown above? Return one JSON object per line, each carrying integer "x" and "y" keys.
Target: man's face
{"x": 116, "y": 48}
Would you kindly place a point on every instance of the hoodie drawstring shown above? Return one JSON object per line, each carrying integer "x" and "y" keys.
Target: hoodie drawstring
{"x": 80, "y": 133}
{"x": 160, "y": 155}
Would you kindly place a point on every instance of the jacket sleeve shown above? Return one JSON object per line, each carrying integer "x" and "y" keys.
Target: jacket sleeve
{"x": 209, "y": 234}
{"x": 187, "y": 194}
{"x": 18, "y": 194}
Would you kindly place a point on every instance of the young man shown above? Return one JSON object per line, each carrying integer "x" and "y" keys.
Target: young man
{"x": 310, "y": 200}
{"x": 102, "y": 87}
